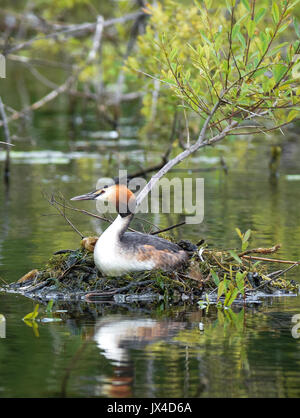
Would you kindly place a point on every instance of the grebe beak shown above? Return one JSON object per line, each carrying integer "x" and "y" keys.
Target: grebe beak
{"x": 89, "y": 196}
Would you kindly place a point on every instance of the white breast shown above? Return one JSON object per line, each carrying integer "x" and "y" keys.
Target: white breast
{"x": 111, "y": 258}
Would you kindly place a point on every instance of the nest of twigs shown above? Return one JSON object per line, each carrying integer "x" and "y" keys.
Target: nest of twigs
{"x": 72, "y": 275}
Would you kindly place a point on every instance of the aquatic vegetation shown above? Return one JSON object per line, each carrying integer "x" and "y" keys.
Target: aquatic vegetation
{"x": 31, "y": 319}
{"x": 221, "y": 277}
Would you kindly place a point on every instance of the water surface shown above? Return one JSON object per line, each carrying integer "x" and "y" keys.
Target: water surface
{"x": 138, "y": 350}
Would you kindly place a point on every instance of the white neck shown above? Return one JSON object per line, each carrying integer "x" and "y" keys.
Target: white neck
{"x": 118, "y": 227}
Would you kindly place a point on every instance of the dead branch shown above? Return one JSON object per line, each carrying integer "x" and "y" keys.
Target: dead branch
{"x": 274, "y": 276}
{"x": 168, "y": 229}
{"x": 261, "y": 250}
{"x": 85, "y": 212}
{"x": 281, "y": 272}
{"x": 97, "y": 39}
{"x": 66, "y": 87}
{"x": 73, "y": 30}
{"x": 272, "y": 260}
{"x": 70, "y": 80}
{"x": 62, "y": 213}
{"x": 46, "y": 99}
{"x": 57, "y": 205}
{"x": 6, "y": 143}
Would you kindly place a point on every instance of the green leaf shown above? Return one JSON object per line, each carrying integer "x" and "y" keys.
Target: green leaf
{"x": 296, "y": 71}
{"x": 236, "y": 29}
{"x": 259, "y": 72}
{"x": 246, "y": 235}
{"x": 221, "y": 289}
{"x": 173, "y": 54}
{"x": 250, "y": 28}
{"x": 32, "y": 324}
{"x": 240, "y": 281}
{"x": 192, "y": 48}
{"x": 205, "y": 37}
{"x": 215, "y": 277}
{"x": 292, "y": 115}
{"x": 246, "y": 4}
{"x": 296, "y": 26}
{"x": 240, "y": 319}
{"x": 32, "y": 315}
{"x": 283, "y": 27}
{"x": 49, "y": 306}
{"x": 277, "y": 48}
{"x": 208, "y": 3}
{"x": 227, "y": 297}
{"x": 260, "y": 13}
{"x": 235, "y": 256}
{"x": 278, "y": 71}
{"x": 228, "y": 5}
{"x": 275, "y": 13}
{"x": 238, "y": 231}
{"x": 241, "y": 39}
{"x": 234, "y": 294}
{"x": 230, "y": 297}
{"x": 198, "y": 4}
{"x": 245, "y": 245}
{"x": 292, "y": 5}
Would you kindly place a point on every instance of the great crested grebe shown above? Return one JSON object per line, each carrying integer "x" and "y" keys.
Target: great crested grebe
{"x": 118, "y": 252}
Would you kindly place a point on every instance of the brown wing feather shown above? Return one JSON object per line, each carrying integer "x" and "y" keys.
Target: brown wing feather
{"x": 145, "y": 247}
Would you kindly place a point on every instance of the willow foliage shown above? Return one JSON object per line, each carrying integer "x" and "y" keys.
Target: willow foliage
{"x": 236, "y": 52}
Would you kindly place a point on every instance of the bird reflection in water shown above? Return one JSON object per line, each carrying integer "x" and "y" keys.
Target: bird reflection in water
{"x": 115, "y": 336}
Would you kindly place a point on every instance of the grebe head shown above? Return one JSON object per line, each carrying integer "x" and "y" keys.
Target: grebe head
{"x": 118, "y": 194}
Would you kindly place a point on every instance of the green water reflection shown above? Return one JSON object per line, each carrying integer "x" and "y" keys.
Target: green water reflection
{"x": 125, "y": 353}
{"x": 136, "y": 351}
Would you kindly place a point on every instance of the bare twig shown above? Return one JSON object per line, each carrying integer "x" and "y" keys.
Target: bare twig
{"x": 97, "y": 39}
{"x": 74, "y": 30}
{"x": 272, "y": 260}
{"x": 85, "y": 212}
{"x": 281, "y": 272}
{"x": 67, "y": 85}
{"x": 6, "y": 143}
{"x": 248, "y": 37}
{"x": 46, "y": 99}
{"x": 168, "y": 229}
{"x": 230, "y": 44}
{"x": 62, "y": 213}
{"x": 187, "y": 128}
{"x": 274, "y": 277}
{"x": 261, "y": 250}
